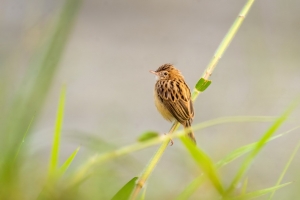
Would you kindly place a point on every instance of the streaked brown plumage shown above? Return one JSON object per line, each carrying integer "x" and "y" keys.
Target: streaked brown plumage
{"x": 172, "y": 97}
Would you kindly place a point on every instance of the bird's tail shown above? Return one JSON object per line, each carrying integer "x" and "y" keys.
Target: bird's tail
{"x": 191, "y": 135}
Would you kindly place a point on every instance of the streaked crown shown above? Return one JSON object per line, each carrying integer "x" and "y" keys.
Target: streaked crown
{"x": 168, "y": 71}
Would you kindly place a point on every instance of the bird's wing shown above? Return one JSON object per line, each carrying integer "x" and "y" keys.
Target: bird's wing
{"x": 176, "y": 97}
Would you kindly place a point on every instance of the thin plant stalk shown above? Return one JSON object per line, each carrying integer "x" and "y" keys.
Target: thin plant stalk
{"x": 145, "y": 175}
{"x": 85, "y": 169}
{"x": 207, "y": 73}
{"x": 285, "y": 169}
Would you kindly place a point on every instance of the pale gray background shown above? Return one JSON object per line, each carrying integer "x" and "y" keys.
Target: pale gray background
{"x": 112, "y": 47}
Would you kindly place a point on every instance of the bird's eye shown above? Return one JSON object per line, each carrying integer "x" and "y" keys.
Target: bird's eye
{"x": 165, "y": 73}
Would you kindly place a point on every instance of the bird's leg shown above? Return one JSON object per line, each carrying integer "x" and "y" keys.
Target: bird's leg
{"x": 172, "y": 129}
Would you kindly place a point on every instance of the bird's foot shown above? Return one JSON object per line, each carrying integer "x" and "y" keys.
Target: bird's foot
{"x": 171, "y": 141}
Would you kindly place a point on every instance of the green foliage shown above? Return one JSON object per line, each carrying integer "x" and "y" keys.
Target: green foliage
{"x": 202, "y": 84}
{"x": 147, "y": 136}
{"x": 126, "y": 190}
{"x": 260, "y": 144}
{"x": 205, "y": 163}
{"x": 285, "y": 169}
{"x": 68, "y": 162}
{"x": 24, "y": 107}
{"x": 56, "y": 137}
{"x": 259, "y": 193}
{"x": 230, "y": 157}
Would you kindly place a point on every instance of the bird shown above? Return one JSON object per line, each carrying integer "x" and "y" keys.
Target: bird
{"x": 172, "y": 97}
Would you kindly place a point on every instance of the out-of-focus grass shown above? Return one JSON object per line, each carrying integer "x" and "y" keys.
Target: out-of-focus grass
{"x": 28, "y": 100}
{"x": 57, "y": 134}
{"x": 260, "y": 144}
{"x": 197, "y": 182}
{"x": 91, "y": 180}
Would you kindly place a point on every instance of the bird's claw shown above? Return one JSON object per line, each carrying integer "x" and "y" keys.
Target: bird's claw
{"x": 171, "y": 141}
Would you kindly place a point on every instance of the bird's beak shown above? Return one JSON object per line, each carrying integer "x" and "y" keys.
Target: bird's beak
{"x": 153, "y": 72}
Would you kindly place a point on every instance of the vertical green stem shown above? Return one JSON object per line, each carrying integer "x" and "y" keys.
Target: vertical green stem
{"x": 285, "y": 169}
{"x": 207, "y": 73}
{"x": 225, "y": 43}
{"x": 153, "y": 162}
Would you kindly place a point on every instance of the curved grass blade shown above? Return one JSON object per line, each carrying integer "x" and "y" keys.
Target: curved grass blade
{"x": 23, "y": 139}
{"x": 261, "y": 143}
{"x": 28, "y": 99}
{"x": 68, "y": 162}
{"x": 247, "y": 148}
{"x": 285, "y": 169}
{"x": 205, "y": 163}
{"x": 244, "y": 188}
{"x": 197, "y": 182}
{"x": 85, "y": 169}
{"x": 125, "y": 192}
{"x": 191, "y": 188}
{"x": 259, "y": 193}
{"x": 56, "y": 137}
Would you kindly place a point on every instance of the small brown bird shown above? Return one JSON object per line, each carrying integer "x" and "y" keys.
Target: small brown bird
{"x": 172, "y": 97}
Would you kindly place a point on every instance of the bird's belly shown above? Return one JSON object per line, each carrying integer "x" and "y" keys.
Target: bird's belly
{"x": 162, "y": 109}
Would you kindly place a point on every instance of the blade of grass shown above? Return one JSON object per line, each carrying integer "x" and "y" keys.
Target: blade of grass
{"x": 261, "y": 143}
{"x": 126, "y": 190}
{"x": 57, "y": 132}
{"x": 23, "y": 139}
{"x": 143, "y": 196}
{"x": 205, "y": 163}
{"x": 285, "y": 169}
{"x": 29, "y": 98}
{"x": 259, "y": 193}
{"x": 191, "y": 188}
{"x": 152, "y": 164}
{"x": 84, "y": 170}
{"x": 68, "y": 162}
{"x": 222, "y": 47}
{"x": 197, "y": 182}
{"x": 247, "y": 148}
{"x": 244, "y": 188}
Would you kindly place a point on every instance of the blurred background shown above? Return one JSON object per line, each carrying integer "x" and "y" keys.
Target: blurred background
{"x": 103, "y": 51}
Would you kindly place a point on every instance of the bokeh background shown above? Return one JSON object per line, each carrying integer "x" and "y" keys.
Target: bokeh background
{"x": 104, "y": 63}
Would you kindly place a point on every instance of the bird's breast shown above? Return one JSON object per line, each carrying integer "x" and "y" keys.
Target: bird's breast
{"x": 161, "y": 107}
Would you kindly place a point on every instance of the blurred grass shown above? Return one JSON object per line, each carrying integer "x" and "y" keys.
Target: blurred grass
{"x": 28, "y": 100}
{"x": 205, "y": 163}
{"x": 22, "y": 111}
{"x": 230, "y": 157}
{"x": 260, "y": 144}
{"x": 258, "y": 193}
{"x": 57, "y": 134}
{"x": 285, "y": 169}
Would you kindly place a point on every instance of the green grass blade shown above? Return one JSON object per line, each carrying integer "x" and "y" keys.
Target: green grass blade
{"x": 244, "y": 188}
{"x": 125, "y": 192}
{"x": 259, "y": 193}
{"x": 23, "y": 139}
{"x": 147, "y": 136}
{"x": 204, "y": 162}
{"x": 197, "y": 182}
{"x": 285, "y": 169}
{"x": 68, "y": 162}
{"x": 84, "y": 170}
{"x": 143, "y": 196}
{"x": 56, "y": 137}
{"x": 247, "y": 148}
{"x": 261, "y": 143}
{"x": 28, "y": 99}
{"x": 191, "y": 188}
